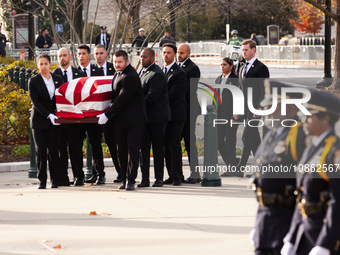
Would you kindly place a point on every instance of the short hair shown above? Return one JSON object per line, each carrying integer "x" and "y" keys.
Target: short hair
{"x": 121, "y": 53}
{"x": 251, "y": 43}
{"x": 171, "y": 45}
{"x": 150, "y": 51}
{"x": 332, "y": 118}
{"x": 44, "y": 56}
{"x": 100, "y": 46}
{"x": 64, "y": 48}
{"x": 43, "y": 29}
{"x": 84, "y": 47}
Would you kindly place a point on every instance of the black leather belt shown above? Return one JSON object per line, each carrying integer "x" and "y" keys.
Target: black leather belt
{"x": 307, "y": 209}
{"x": 266, "y": 199}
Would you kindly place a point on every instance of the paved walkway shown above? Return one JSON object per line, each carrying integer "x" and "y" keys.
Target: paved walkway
{"x": 170, "y": 220}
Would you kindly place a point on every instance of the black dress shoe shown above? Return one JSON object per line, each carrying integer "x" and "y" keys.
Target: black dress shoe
{"x": 130, "y": 186}
{"x": 191, "y": 180}
{"x": 143, "y": 184}
{"x": 92, "y": 179}
{"x": 168, "y": 181}
{"x": 177, "y": 183}
{"x": 117, "y": 180}
{"x": 64, "y": 183}
{"x": 42, "y": 186}
{"x": 79, "y": 182}
{"x": 158, "y": 183}
{"x": 123, "y": 186}
{"x": 101, "y": 180}
{"x": 54, "y": 186}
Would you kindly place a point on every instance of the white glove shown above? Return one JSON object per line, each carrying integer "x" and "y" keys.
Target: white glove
{"x": 102, "y": 119}
{"x": 251, "y": 236}
{"x": 287, "y": 249}
{"x": 52, "y": 118}
{"x": 318, "y": 250}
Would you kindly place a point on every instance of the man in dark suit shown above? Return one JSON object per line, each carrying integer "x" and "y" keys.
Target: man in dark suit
{"x": 226, "y": 134}
{"x": 176, "y": 82}
{"x": 158, "y": 111}
{"x": 193, "y": 109}
{"x": 167, "y": 38}
{"x": 3, "y": 41}
{"x": 94, "y": 132}
{"x": 68, "y": 73}
{"x": 103, "y": 38}
{"x": 128, "y": 114}
{"x": 140, "y": 39}
{"x": 252, "y": 75}
{"x": 44, "y": 41}
{"x": 100, "y": 55}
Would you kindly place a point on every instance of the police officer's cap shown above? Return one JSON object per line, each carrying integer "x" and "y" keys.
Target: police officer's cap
{"x": 268, "y": 89}
{"x": 103, "y": 27}
{"x": 322, "y": 101}
{"x": 141, "y": 30}
{"x": 234, "y": 32}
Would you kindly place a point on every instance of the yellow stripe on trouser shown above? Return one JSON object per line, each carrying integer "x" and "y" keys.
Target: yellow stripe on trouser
{"x": 291, "y": 140}
{"x": 329, "y": 143}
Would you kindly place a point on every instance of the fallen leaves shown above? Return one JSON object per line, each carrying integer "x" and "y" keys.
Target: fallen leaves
{"x": 100, "y": 214}
{"x": 57, "y": 247}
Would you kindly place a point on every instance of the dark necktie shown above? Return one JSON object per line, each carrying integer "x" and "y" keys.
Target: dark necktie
{"x": 65, "y": 76}
{"x": 141, "y": 73}
{"x": 165, "y": 70}
{"x": 85, "y": 71}
{"x": 104, "y": 40}
{"x": 115, "y": 80}
{"x": 102, "y": 68}
{"x": 245, "y": 70}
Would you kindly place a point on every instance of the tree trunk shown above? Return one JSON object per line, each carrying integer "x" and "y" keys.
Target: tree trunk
{"x": 336, "y": 81}
{"x": 78, "y": 17}
{"x": 135, "y": 16}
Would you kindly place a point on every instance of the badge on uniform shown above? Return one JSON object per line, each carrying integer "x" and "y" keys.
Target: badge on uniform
{"x": 110, "y": 68}
{"x": 75, "y": 73}
{"x": 280, "y": 147}
{"x": 183, "y": 65}
{"x": 93, "y": 70}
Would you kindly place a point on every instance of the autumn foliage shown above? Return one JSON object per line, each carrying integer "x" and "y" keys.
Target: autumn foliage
{"x": 311, "y": 20}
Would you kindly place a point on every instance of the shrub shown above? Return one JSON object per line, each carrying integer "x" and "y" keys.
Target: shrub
{"x": 21, "y": 150}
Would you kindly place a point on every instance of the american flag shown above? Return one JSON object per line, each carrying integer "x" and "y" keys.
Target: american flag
{"x": 84, "y": 97}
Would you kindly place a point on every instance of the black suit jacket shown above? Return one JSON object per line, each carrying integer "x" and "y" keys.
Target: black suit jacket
{"x": 110, "y": 68}
{"x": 76, "y": 73}
{"x": 226, "y": 110}
{"x": 95, "y": 71}
{"x": 98, "y": 41}
{"x": 193, "y": 75}
{"x": 176, "y": 82}
{"x": 155, "y": 93}
{"x": 128, "y": 106}
{"x": 255, "y": 77}
{"x": 41, "y": 41}
{"x": 42, "y": 104}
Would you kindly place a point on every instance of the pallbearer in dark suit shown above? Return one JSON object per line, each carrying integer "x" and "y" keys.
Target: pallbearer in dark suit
{"x": 45, "y": 133}
{"x": 158, "y": 111}
{"x": 100, "y": 55}
{"x": 94, "y": 131}
{"x": 68, "y": 73}
{"x": 251, "y": 75}
{"x": 315, "y": 228}
{"x": 128, "y": 115}
{"x": 176, "y": 82}
{"x": 281, "y": 147}
{"x": 193, "y": 109}
{"x": 226, "y": 134}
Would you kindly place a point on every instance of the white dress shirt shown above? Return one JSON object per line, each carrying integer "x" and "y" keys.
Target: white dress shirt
{"x": 88, "y": 69}
{"x": 49, "y": 85}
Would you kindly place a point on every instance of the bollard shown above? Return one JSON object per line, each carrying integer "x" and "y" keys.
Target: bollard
{"x": 22, "y": 78}
{"x": 16, "y": 75}
{"x": 10, "y": 74}
{"x": 32, "y": 171}
{"x": 27, "y": 77}
{"x": 88, "y": 171}
{"x": 211, "y": 177}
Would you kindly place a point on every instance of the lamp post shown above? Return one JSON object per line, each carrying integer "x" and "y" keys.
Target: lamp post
{"x": 327, "y": 79}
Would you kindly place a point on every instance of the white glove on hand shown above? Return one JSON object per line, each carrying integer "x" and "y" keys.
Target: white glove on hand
{"x": 52, "y": 118}
{"x": 102, "y": 119}
{"x": 318, "y": 250}
{"x": 251, "y": 236}
{"x": 287, "y": 249}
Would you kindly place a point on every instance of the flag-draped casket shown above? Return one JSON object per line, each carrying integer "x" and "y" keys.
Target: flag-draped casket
{"x": 84, "y": 97}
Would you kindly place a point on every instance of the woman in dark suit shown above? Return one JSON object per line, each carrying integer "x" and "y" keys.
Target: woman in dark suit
{"x": 226, "y": 135}
{"x": 42, "y": 92}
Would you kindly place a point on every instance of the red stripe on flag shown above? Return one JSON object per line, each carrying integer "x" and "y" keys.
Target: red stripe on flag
{"x": 97, "y": 83}
{"x": 78, "y": 89}
{"x": 92, "y": 113}
{"x": 99, "y": 97}
{"x": 62, "y": 89}
{"x": 70, "y": 115}
{"x": 61, "y": 100}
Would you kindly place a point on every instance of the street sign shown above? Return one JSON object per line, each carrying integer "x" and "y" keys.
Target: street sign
{"x": 59, "y": 28}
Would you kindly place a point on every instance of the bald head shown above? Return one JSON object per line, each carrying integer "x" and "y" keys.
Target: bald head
{"x": 64, "y": 57}
{"x": 183, "y": 52}
{"x": 147, "y": 57}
